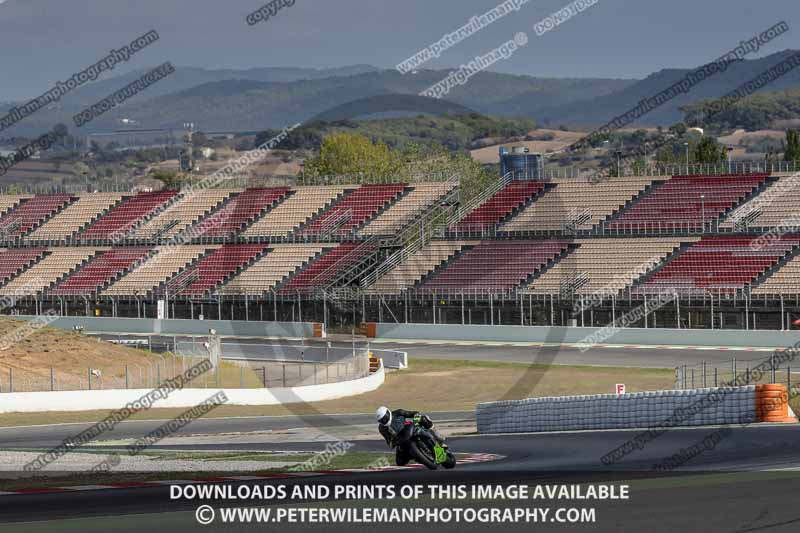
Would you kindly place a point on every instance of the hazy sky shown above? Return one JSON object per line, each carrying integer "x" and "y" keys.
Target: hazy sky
{"x": 46, "y": 40}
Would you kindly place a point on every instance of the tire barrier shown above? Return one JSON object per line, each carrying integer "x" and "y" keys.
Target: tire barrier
{"x": 669, "y": 408}
{"x": 772, "y": 404}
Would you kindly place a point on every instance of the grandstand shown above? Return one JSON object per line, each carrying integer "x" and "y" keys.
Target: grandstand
{"x": 244, "y": 208}
{"x": 31, "y": 213}
{"x": 188, "y": 209}
{"x": 354, "y": 210}
{"x": 302, "y": 205}
{"x": 102, "y": 270}
{"x": 116, "y": 223}
{"x": 213, "y": 269}
{"x": 687, "y": 202}
{"x": 526, "y": 250}
{"x": 577, "y": 205}
{"x": 86, "y": 209}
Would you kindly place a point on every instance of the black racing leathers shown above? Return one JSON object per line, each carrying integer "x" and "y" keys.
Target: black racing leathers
{"x": 399, "y": 416}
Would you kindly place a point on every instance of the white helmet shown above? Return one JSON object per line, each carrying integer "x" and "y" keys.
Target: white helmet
{"x": 383, "y": 415}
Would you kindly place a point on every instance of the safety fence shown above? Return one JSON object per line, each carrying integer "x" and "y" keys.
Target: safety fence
{"x": 230, "y": 373}
{"x": 771, "y": 369}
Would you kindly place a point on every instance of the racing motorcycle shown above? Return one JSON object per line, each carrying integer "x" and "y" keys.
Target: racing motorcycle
{"x": 416, "y": 442}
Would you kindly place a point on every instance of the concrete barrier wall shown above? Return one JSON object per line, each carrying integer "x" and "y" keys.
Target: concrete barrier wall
{"x": 30, "y": 402}
{"x": 146, "y": 326}
{"x": 670, "y": 408}
{"x": 654, "y": 337}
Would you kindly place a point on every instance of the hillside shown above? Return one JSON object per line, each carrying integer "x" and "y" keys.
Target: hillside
{"x": 70, "y": 355}
{"x": 756, "y": 112}
{"x": 234, "y": 100}
{"x": 601, "y": 109}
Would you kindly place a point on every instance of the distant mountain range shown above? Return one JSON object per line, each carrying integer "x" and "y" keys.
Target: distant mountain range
{"x": 256, "y": 99}
{"x": 599, "y": 110}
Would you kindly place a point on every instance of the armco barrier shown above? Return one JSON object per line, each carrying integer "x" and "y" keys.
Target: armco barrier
{"x": 642, "y": 336}
{"x": 611, "y": 411}
{"x": 30, "y": 402}
{"x": 144, "y": 326}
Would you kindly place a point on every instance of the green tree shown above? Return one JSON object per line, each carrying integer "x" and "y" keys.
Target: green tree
{"x": 678, "y": 129}
{"x": 354, "y": 154}
{"x": 792, "y": 151}
{"x": 170, "y": 179}
{"x": 709, "y": 151}
{"x": 199, "y": 139}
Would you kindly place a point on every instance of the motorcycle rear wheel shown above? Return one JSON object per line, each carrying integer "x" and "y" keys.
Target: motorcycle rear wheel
{"x": 420, "y": 456}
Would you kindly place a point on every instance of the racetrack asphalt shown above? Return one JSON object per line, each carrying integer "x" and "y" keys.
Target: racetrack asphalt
{"x": 720, "y": 501}
{"x": 645, "y": 357}
{"x": 719, "y": 490}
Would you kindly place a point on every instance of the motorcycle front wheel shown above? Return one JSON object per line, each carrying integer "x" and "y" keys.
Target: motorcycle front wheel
{"x": 450, "y": 462}
{"x": 421, "y": 454}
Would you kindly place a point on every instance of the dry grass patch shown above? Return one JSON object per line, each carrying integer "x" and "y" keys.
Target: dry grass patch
{"x": 69, "y": 354}
{"x": 430, "y": 385}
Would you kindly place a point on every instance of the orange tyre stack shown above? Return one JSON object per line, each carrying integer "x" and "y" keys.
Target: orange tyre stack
{"x": 374, "y": 363}
{"x": 772, "y": 404}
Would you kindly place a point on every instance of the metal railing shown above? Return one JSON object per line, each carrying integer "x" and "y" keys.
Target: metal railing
{"x": 233, "y": 372}
{"x": 414, "y": 237}
{"x": 480, "y": 199}
{"x": 736, "y": 370}
{"x": 732, "y": 167}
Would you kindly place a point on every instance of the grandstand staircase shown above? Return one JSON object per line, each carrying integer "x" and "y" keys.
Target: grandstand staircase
{"x": 548, "y": 186}
{"x": 766, "y": 274}
{"x": 71, "y": 271}
{"x": 305, "y": 266}
{"x": 567, "y": 287}
{"x": 164, "y": 229}
{"x": 442, "y": 266}
{"x": 106, "y": 283}
{"x": 321, "y": 211}
{"x": 232, "y": 274}
{"x": 571, "y": 247}
{"x": 141, "y": 221}
{"x": 300, "y": 227}
{"x": 465, "y": 209}
{"x": 644, "y": 193}
{"x": 406, "y": 191}
{"x": 575, "y": 219}
{"x": 178, "y": 283}
{"x": 189, "y": 267}
{"x": 25, "y": 267}
{"x": 189, "y": 232}
{"x": 194, "y": 223}
{"x": 8, "y": 231}
{"x": 12, "y": 207}
{"x": 125, "y": 271}
{"x": 424, "y": 224}
{"x": 299, "y": 269}
{"x": 72, "y": 238}
{"x": 744, "y": 223}
{"x": 332, "y": 225}
{"x": 674, "y": 254}
{"x": 364, "y": 257}
{"x": 47, "y": 218}
{"x": 416, "y": 235}
{"x": 265, "y": 210}
{"x": 147, "y": 217}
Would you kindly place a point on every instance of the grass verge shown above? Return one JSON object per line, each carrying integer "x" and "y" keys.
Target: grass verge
{"x": 428, "y": 385}
{"x": 333, "y": 462}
